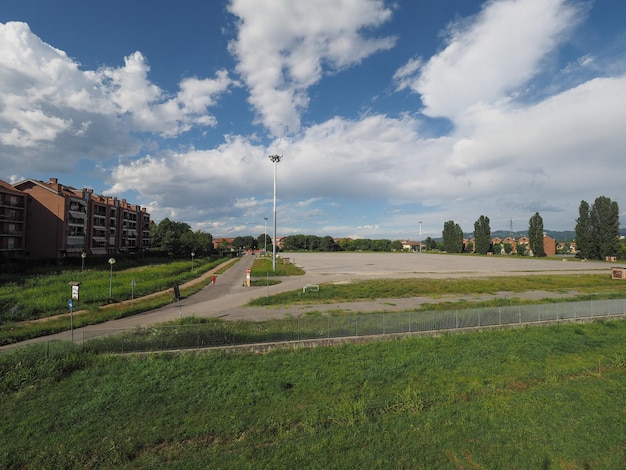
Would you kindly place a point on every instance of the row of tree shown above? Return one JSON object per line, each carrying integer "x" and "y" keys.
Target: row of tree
{"x": 453, "y": 238}
{"x": 597, "y": 236}
{"x": 597, "y": 232}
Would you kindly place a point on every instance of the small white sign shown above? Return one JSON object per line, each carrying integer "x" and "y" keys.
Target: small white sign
{"x": 75, "y": 292}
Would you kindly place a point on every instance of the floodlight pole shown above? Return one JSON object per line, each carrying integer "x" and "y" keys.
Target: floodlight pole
{"x": 275, "y": 159}
{"x": 420, "y": 236}
{"x": 265, "y": 238}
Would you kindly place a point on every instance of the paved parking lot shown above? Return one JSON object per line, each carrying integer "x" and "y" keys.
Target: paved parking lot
{"x": 372, "y": 265}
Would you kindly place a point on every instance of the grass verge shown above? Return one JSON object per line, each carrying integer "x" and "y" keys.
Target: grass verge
{"x": 599, "y": 285}
{"x": 527, "y": 398}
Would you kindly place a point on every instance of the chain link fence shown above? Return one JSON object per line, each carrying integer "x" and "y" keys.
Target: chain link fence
{"x": 173, "y": 337}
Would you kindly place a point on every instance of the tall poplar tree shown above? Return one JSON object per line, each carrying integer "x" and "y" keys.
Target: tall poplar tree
{"x": 604, "y": 221}
{"x": 482, "y": 235}
{"x": 583, "y": 231}
{"x": 597, "y": 229}
{"x": 535, "y": 235}
{"x": 452, "y": 237}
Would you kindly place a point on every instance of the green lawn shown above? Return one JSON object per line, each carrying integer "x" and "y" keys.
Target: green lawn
{"x": 585, "y": 285}
{"x": 551, "y": 397}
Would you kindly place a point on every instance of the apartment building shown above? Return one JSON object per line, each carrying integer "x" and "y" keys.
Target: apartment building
{"x": 12, "y": 221}
{"x": 63, "y": 221}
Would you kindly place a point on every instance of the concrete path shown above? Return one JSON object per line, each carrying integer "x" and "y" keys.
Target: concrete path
{"x": 228, "y": 297}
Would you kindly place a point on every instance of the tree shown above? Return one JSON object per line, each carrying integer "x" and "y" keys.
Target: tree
{"x": 452, "y": 237}
{"x": 328, "y": 244}
{"x": 201, "y": 243}
{"x": 347, "y": 244}
{"x": 166, "y": 236}
{"x": 430, "y": 244}
{"x": 597, "y": 229}
{"x": 238, "y": 243}
{"x": 249, "y": 242}
{"x": 482, "y": 235}
{"x": 363, "y": 244}
{"x": 535, "y": 235}
{"x": 583, "y": 231}
{"x": 263, "y": 241}
{"x": 604, "y": 221}
{"x": 381, "y": 245}
{"x": 396, "y": 245}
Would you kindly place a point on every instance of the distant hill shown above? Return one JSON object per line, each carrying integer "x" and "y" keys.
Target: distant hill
{"x": 562, "y": 236}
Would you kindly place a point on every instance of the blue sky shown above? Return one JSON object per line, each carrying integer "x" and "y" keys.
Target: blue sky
{"x": 387, "y": 113}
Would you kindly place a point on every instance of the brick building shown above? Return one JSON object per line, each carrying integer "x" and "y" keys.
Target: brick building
{"x": 65, "y": 222}
{"x": 13, "y": 212}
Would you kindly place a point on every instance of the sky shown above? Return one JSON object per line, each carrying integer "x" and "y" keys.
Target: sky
{"x": 391, "y": 117}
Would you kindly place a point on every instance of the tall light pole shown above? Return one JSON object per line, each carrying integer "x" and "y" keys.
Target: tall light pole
{"x": 193, "y": 253}
{"x": 265, "y": 236}
{"x": 420, "y": 236}
{"x": 275, "y": 159}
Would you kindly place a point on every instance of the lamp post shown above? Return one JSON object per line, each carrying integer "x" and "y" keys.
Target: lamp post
{"x": 275, "y": 159}
{"x": 111, "y": 262}
{"x": 193, "y": 253}
{"x": 265, "y": 236}
{"x": 83, "y": 255}
{"x": 420, "y": 236}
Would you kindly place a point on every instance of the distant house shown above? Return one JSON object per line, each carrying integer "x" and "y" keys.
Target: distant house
{"x": 512, "y": 242}
{"x": 549, "y": 245}
{"x": 409, "y": 245}
{"x": 226, "y": 244}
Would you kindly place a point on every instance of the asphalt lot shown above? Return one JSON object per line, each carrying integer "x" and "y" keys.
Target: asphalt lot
{"x": 228, "y": 297}
{"x": 373, "y": 265}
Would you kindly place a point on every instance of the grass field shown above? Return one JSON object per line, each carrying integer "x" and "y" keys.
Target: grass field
{"x": 551, "y": 397}
{"x": 585, "y": 286}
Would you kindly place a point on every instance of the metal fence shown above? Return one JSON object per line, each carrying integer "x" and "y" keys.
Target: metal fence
{"x": 170, "y": 337}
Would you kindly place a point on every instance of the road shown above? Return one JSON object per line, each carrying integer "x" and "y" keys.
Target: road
{"x": 228, "y": 297}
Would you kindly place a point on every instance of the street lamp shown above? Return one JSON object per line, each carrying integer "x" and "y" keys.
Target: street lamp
{"x": 111, "y": 262}
{"x": 265, "y": 236}
{"x": 420, "y": 236}
{"x": 275, "y": 159}
{"x": 193, "y": 253}
{"x": 83, "y": 255}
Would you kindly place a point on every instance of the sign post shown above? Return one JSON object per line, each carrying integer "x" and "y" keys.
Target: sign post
{"x": 74, "y": 297}
{"x": 70, "y": 304}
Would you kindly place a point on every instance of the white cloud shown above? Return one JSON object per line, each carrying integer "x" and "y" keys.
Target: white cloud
{"x": 503, "y": 162}
{"x": 282, "y": 49}
{"x": 53, "y": 113}
{"x": 405, "y": 75}
{"x": 149, "y": 107}
{"x": 493, "y": 54}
